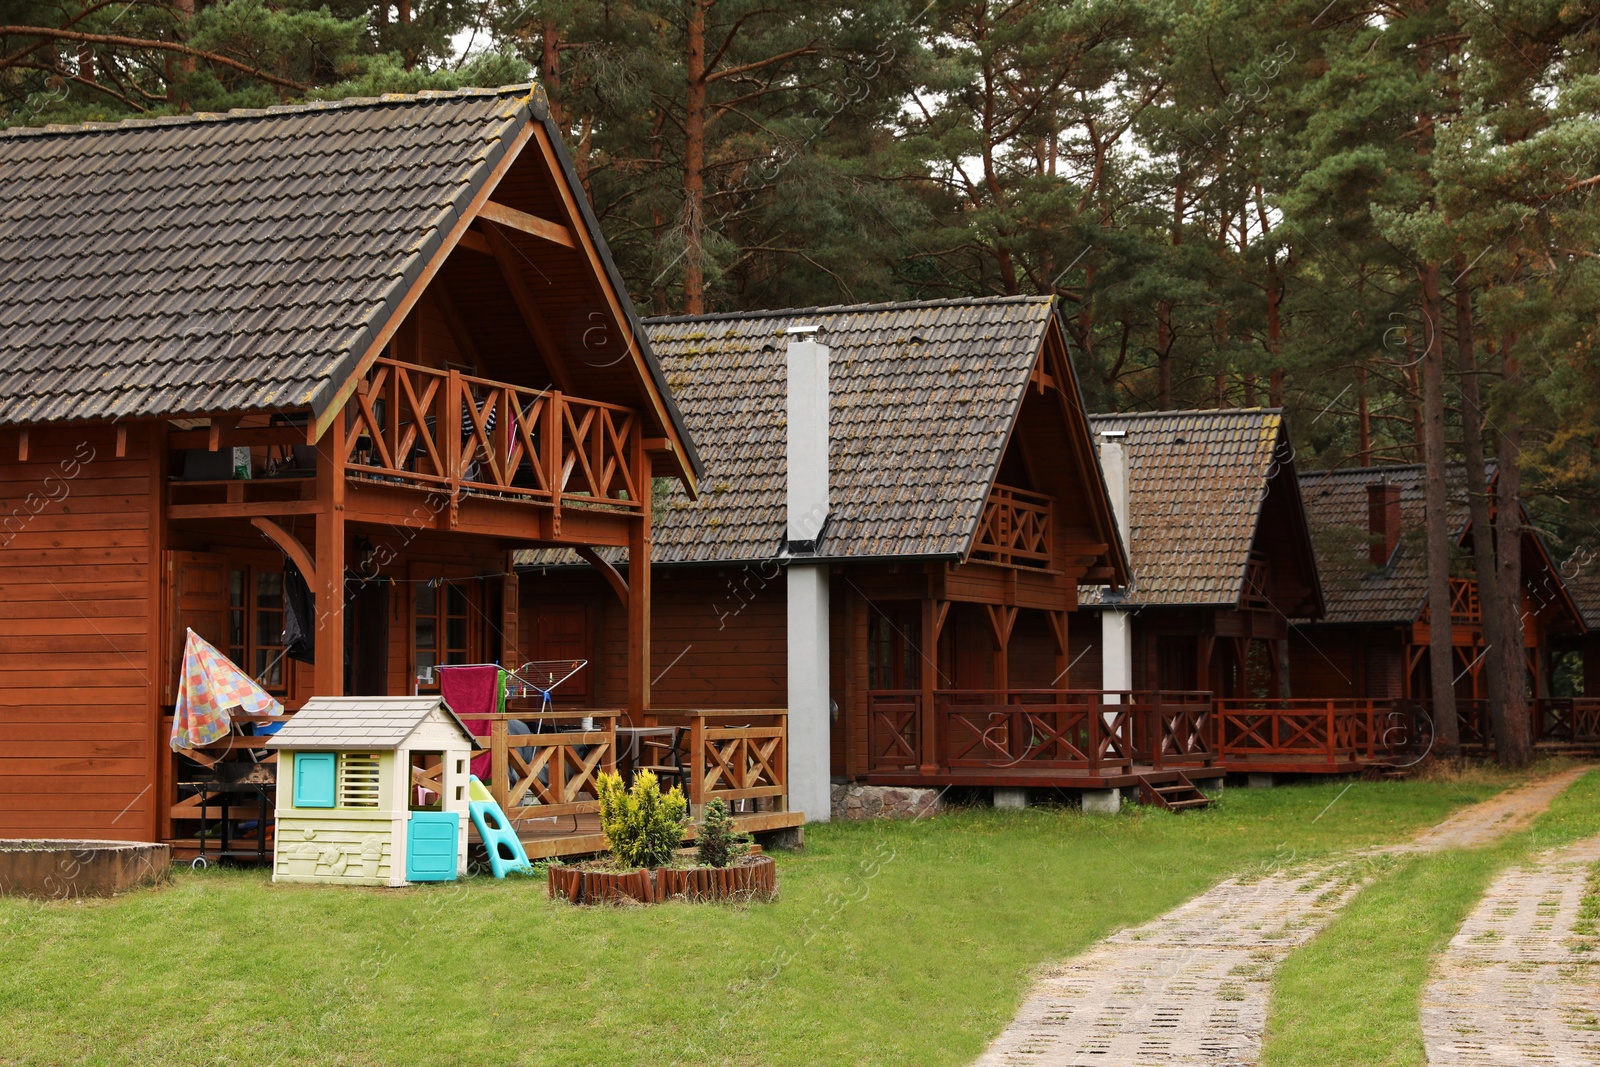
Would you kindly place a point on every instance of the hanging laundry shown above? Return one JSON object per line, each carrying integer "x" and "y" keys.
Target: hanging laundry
{"x": 299, "y": 615}
{"x": 209, "y": 685}
{"x": 472, "y": 691}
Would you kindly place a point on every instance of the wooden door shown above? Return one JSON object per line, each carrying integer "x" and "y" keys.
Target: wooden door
{"x": 196, "y": 599}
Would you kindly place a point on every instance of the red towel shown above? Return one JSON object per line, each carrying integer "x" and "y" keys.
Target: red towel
{"x": 472, "y": 691}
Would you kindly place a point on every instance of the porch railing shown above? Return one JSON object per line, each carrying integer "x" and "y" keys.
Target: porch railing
{"x": 1314, "y": 731}
{"x": 738, "y": 755}
{"x": 448, "y": 431}
{"x": 1016, "y": 528}
{"x": 540, "y": 775}
{"x": 1084, "y": 731}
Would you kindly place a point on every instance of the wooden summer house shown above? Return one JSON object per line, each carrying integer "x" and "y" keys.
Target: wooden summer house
{"x": 1373, "y": 641}
{"x": 333, "y": 361}
{"x": 964, "y": 512}
{"x": 1222, "y": 559}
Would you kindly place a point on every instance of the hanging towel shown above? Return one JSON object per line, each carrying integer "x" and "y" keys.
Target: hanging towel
{"x": 472, "y": 691}
{"x": 209, "y": 685}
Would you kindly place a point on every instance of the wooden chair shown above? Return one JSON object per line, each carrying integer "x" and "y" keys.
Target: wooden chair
{"x": 665, "y": 759}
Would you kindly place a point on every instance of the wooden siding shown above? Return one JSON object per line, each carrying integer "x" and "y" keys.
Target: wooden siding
{"x": 78, "y": 562}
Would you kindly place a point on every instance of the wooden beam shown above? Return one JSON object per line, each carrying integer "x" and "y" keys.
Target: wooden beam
{"x": 22, "y": 446}
{"x": 532, "y": 225}
{"x": 328, "y": 672}
{"x": 122, "y": 441}
{"x": 928, "y": 663}
{"x": 639, "y": 600}
{"x": 613, "y": 577}
{"x": 473, "y": 241}
{"x": 321, "y": 423}
{"x": 221, "y": 426}
{"x": 291, "y": 547}
{"x": 246, "y": 509}
{"x": 160, "y": 760}
{"x": 248, "y": 435}
{"x": 506, "y": 255}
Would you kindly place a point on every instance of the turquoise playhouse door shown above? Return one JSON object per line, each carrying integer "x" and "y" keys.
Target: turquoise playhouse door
{"x": 431, "y": 846}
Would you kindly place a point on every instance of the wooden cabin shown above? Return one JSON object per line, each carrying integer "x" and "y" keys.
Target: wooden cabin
{"x": 331, "y": 361}
{"x": 962, "y": 512}
{"x": 1373, "y": 641}
{"x": 1222, "y": 559}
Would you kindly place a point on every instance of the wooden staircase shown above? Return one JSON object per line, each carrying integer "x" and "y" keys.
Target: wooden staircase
{"x": 1179, "y": 795}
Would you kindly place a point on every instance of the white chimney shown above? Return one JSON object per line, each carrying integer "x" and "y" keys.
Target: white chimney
{"x": 1116, "y": 626}
{"x": 806, "y": 453}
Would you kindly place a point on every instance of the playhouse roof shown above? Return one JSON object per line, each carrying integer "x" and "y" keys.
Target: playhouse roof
{"x": 360, "y": 722}
{"x": 1198, "y": 486}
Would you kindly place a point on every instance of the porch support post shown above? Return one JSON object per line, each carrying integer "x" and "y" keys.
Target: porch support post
{"x": 1059, "y": 631}
{"x": 1002, "y": 620}
{"x": 639, "y": 594}
{"x": 329, "y": 641}
{"x": 510, "y": 597}
{"x": 928, "y": 664}
{"x": 810, "y": 689}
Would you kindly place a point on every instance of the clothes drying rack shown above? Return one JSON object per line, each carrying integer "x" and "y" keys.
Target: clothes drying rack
{"x": 540, "y": 676}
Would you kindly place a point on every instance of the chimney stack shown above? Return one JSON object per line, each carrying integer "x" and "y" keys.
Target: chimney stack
{"x": 810, "y": 699}
{"x": 1383, "y": 522}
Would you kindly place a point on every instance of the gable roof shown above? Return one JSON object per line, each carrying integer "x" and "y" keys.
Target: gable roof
{"x": 360, "y": 722}
{"x": 1581, "y": 575}
{"x": 924, "y": 396}
{"x": 1357, "y": 591}
{"x": 1197, "y": 485}
{"x": 243, "y": 261}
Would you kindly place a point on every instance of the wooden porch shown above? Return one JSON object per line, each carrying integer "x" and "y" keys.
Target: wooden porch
{"x": 1048, "y": 738}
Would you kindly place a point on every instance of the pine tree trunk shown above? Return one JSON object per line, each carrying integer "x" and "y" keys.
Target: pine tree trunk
{"x": 1441, "y": 648}
{"x": 1515, "y": 747}
{"x": 694, "y": 162}
{"x": 1483, "y": 553}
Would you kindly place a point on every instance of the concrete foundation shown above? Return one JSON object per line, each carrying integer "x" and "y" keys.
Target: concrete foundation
{"x": 63, "y": 870}
{"x": 1010, "y": 798}
{"x": 1261, "y": 781}
{"x": 788, "y": 837}
{"x": 1102, "y": 801}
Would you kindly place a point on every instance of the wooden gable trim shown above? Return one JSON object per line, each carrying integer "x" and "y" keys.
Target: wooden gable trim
{"x": 532, "y": 225}
{"x": 657, "y": 404}
{"x": 335, "y": 408}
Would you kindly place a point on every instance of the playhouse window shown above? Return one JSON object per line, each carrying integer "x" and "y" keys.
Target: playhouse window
{"x": 427, "y": 781}
{"x": 358, "y": 780}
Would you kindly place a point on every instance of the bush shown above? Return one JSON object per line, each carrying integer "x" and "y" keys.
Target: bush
{"x": 719, "y": 843}
{"x": 642, "y": 825}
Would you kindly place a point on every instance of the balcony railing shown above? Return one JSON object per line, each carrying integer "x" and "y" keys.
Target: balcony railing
{"x": 1016, "y": 529}
{"x": 448, "y": 431}
{"x": 1464, "y": 607}
{"x": 1316, "y": 732}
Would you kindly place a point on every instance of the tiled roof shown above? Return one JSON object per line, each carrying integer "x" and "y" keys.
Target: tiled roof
{"x": 1196, "y": 484}
{"x": 234, "y": 262}
{"x": 358, "y": 722}
{"x": 1355, "y": 590}
{"x": 923, "y": 398}
{"x": 1581, "y": 575}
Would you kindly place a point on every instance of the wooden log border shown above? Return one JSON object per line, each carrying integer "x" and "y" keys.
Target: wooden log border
{"x": 752, "y": 878}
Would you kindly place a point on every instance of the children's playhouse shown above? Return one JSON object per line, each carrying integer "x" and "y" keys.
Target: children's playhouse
{"x": 372, "y": 791}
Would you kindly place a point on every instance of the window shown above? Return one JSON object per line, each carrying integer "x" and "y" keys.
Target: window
{"x": 443, "y": 612}
{"x": 892, "y": 633}
{"x": 358, "y": 780}
{"x": 255, "y": 626}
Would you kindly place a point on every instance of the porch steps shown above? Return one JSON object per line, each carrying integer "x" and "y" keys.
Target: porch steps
{"x": 1179, "y": 795}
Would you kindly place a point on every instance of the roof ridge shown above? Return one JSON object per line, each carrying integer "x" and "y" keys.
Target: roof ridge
{"x": 1185, "y": 411}
{"x": 241, "y": 114}
{"x": 838, "y": 309}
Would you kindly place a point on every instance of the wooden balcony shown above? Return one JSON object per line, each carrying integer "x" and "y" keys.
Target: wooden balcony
{"x": 439, "y": 447}
{"x": 1042, "y": 737}
{"x": 1016, "y": 530}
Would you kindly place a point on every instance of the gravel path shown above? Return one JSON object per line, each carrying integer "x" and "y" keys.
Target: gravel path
{"x": 1192, "y": 987}
{"x": 1517, "y": 985}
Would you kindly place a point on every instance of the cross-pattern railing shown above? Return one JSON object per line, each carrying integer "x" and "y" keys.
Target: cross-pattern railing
{"x": 737, "y": 755}
{"x": 1075, "y": 731}
{"x": 1330, "y": 732}
{"x": 1016, "y": 528}
{"x": 551, "y": 772}
{"x": 448, "y": 431}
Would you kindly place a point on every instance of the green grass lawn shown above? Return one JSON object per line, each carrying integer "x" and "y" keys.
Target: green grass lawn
{"x": 1350, "y": 998}
{"x": 891, "y": 943}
